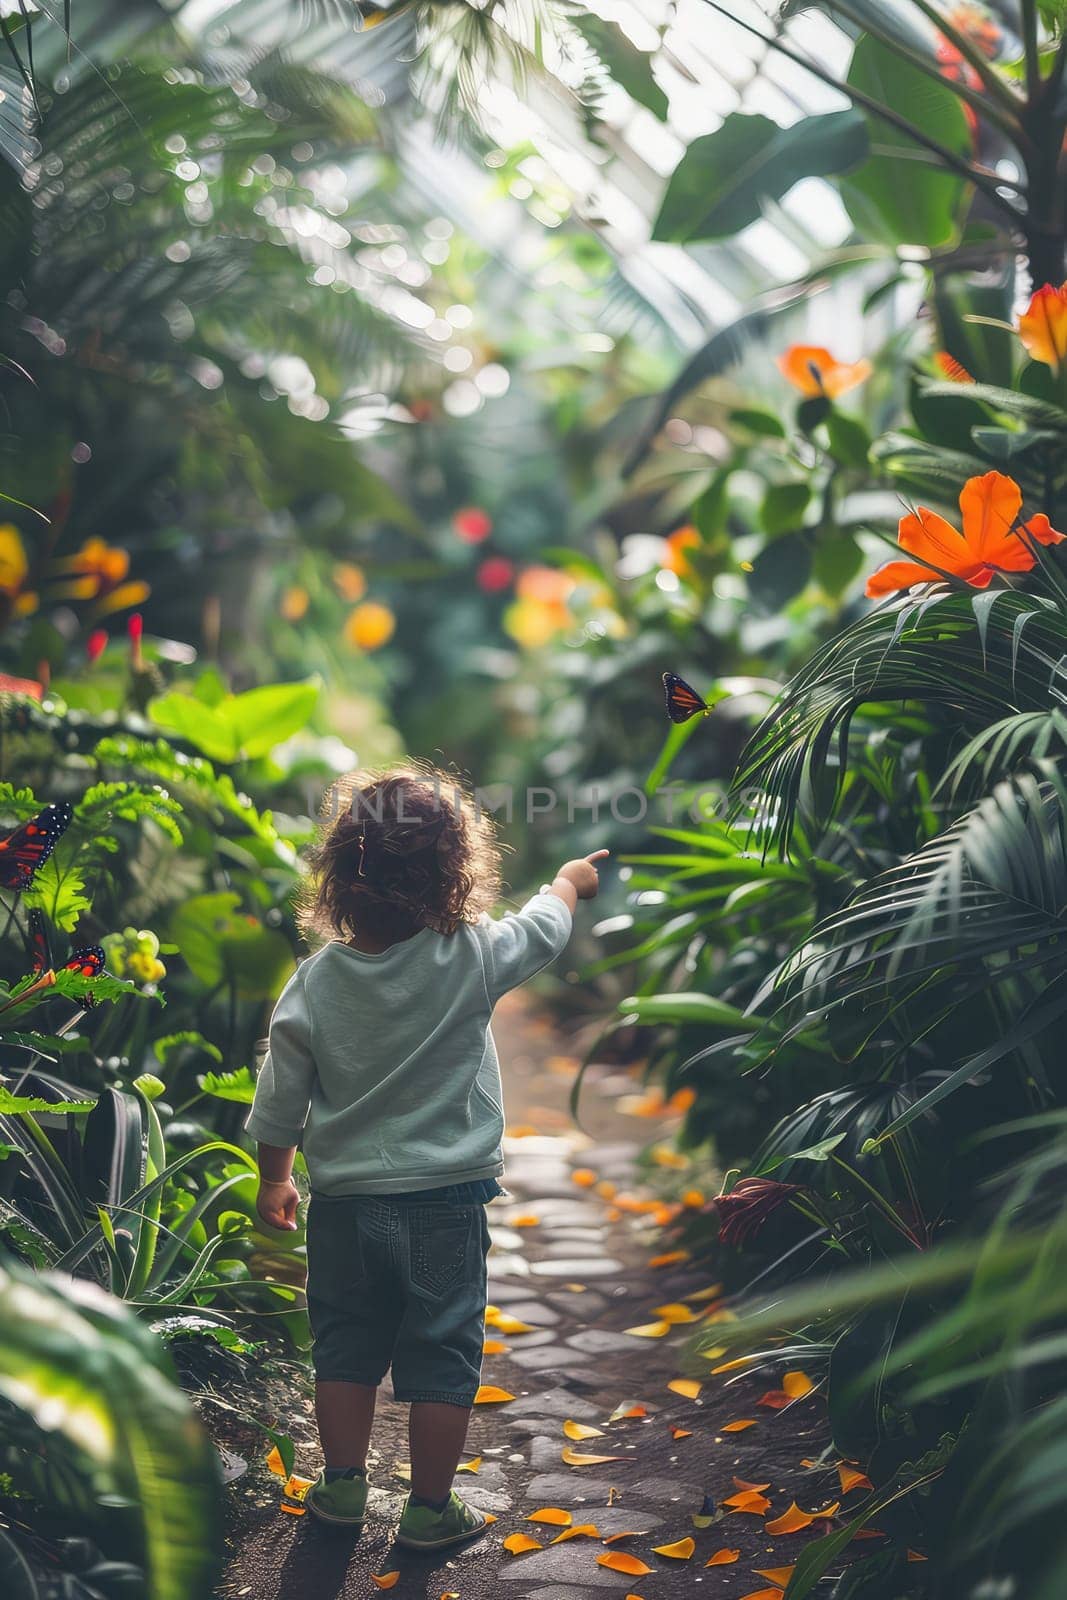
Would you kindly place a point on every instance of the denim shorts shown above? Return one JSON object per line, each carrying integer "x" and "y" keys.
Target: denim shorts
{"x": 400, "y": 1281}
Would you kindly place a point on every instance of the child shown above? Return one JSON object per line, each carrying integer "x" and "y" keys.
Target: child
{"x": 381, "y": 1059}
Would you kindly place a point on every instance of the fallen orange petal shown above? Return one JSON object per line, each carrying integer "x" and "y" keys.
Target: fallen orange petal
{"x": 584, "y": 1530}
{"x": 680, "y": 1550}
{"x": 779, "y": 1575}
{"x": 797, "y": 1384}
{"x": 574, "y": 1458}
{"x": 689, "y": 1387}
{"x": 580, "y": 1430}
{"x": 756, "y": 1505}
{"x": 274, "y": 1462}
{"x": 712, "y": 1292}
{"x": 554, "y": 1515}
{"x": 795, "y": 1521}
{"x": 504, "y": 1322}
{"x": 494, "y": 1347}
{"x": 628, "y": 1408}
{"x": 470, "y": 1466}
{"x": 734, "y": 1366}
{"x": 752, "y": 1488}
{"x": 615, "y": 1537}
{"x": 488, "y": 1395}
{"x": 529, "y": 1219}
{"x": 740, "y": 1425}
{"x": 619, "y": 1561}
{"x": 517, "y": 1543}
{"x": 851, "y": 1478}
{"x": 584, "y": 1177}
{"x": 681, "y": 1433}
{"x": 384, "y": 1580}
{"x": 775, "y": 1399}
{"x": 649, "y": 1330}
{"x": 764, "y": 1594}
{"x": 675, "y": 1312}
{"x": 723, "y": 1558}
{"x": 914, "y": 1555}
{"x": 294, "y": 1511}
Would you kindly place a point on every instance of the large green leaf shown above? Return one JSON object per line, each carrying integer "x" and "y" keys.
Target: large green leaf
{"x": 99, "y": 1389}
{"x": 902, "y": 194}
{"x": 726, "y": 178}
{"x": 629, "y": 66}
{"x": 221, "y": 944}
{"x": 240, "y": 726}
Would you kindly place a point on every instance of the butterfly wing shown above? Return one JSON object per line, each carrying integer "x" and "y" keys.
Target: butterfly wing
{"x": 40, "y": 949}
{"x": 29, "y": 846}
{"x": 682, "y": 699}
{"x": 86, "y": 962}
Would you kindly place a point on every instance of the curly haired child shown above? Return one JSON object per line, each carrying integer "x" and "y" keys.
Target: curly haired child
{"x": 382, "y": 1063}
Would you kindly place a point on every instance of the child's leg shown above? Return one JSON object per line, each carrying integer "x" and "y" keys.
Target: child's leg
{"x": 345, "y": 1412}
{"x": 437, "y": 1433}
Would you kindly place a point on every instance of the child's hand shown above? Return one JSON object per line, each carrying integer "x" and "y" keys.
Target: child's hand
{"x": 277, "y": 1203}
{"x": 582, "y": 873}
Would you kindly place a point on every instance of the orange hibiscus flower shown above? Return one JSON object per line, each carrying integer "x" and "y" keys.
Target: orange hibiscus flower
{"x": 991, "y": 540}
{"x": 814, "y": 371}
{"x": 1043, "y": 325}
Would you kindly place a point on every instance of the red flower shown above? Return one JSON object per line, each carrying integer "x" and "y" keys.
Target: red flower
{"x": 746, "y": 1208}
{"x": 495, "y": 574}
{"x": 96, "y": 644}
{"x": 472, "y": 524}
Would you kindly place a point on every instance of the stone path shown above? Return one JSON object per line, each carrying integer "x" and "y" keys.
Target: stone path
{"x": 579, "y": 1276}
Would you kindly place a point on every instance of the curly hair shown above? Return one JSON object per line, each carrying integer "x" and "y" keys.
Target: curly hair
{"x": 399, "y": 848}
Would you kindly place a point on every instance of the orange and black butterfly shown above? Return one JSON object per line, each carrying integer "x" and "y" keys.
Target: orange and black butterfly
{"x": 30, "y": 845}
{"x": 85, "y": 962}
{"x": 683, "y": 701}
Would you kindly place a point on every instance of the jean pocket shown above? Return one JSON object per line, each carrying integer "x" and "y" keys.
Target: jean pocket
{"x": 440, "y": 1243}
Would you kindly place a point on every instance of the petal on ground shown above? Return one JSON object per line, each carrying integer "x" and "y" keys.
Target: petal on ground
{"x": 688, "y": 1387}
{"x": 516, "y": 1544}
{"x": 649, "y": 1330}
{"x": 797, "y": 1384}
{"x": 740, "y": 1425}
{"x": 489, "y": 1395}
{"x": 555, "y": 1516}
{"x": 723, "y": 1558}
{"x": 619, "y": 1561}
{"x": 574, "y": 1458}
{"x": 584, "y": 1530}
{"x": 580, "y": 1430}
{"x": 680, "y": 1550}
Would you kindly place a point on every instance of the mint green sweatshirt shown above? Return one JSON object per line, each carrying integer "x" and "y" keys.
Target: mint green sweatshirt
{"x": 385, "y": 1064}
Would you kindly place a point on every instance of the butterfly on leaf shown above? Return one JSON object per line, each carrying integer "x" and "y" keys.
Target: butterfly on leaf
{"x": 683, "y": 701}
{"x": 30, "y": 845}
{"x": 85, "y": 962}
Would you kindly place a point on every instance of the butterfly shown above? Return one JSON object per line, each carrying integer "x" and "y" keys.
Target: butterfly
{"x": 30, "y": 845}
{"x": 683, "y": 701}
{"x": 85, "y": 962}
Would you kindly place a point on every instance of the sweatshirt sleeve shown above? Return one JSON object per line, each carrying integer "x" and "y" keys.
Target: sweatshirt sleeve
{"x": 283, "y": 1088}
{"x": 524, "y": 942}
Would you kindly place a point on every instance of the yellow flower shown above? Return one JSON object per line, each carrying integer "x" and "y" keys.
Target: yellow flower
{"x": 294, "y": 602}
{"x": 350, "y": 580}
{"x": 370, "y": 626}
{"x": 532, "y": 623}
{"x": 13, "y": 564}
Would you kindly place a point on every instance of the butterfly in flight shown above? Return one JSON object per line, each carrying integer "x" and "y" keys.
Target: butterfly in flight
{"x": 683, "y": 701}
{"x": 30, "y": 845}
{"x": 85, "y": 962}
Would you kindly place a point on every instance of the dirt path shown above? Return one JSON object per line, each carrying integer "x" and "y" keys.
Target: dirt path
{"x": 580, "y": 1276}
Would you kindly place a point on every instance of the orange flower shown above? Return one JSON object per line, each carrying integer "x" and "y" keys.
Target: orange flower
{"x": 989, "y": 543}
{"x": 1043, "y": 325}
{"x": 979, "y": 26}
{"x": 951, "y": 368}
{"x": 369, "y": 626}
{"x": 814, "y": 371}
{"x": 678, "y": 542}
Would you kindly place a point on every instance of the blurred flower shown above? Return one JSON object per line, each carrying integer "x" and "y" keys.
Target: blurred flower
{"x": 14, "y": 570}
{"x": 421, "y": 410}
{"x": 350, "y": 580}
{"x": 814, "y": 371}
{"x": 26, "y": 686}
{"x": 746, "y": 1208}
{"x": 294, "y": 602}
{"x": 98, "y": 572}
{"x": 990, "y": 541}
{"x": 1043, "y": 325}
{"x": 951, "y": 368}
{"x": 472, "y": 524}
{"x": 96, "y": 644}
{"x": 546, "y": 584}
{"x": 134, "y": 954}
{"x": 495, "y": 574}
{"x": 954, "y": 68}
{"x": 678, "y": 542}
{"x": 370, "y": 626}
{"x": 979, "y": 25}
{"x": 533, "y": 623}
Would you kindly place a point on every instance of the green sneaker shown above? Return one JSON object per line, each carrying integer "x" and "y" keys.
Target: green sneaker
{"x": 422, "y": 1528}
{"x": 343, "y": 1500}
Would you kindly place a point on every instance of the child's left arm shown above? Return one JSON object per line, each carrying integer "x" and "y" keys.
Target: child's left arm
{"x": 281, "y": 1104}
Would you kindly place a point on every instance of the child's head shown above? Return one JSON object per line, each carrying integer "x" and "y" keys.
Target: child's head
{"x": 399, "y": 848}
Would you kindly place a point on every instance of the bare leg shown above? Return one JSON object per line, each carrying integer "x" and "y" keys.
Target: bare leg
{"x": 437, "y": 1432}
{"x": 344, "y": 1413}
